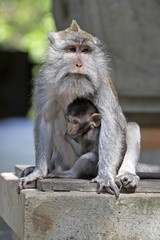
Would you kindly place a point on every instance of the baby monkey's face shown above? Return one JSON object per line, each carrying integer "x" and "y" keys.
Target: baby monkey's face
{"x": 78, "y": 126}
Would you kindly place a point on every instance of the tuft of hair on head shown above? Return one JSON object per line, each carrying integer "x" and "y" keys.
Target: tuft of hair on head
{"x": 74, "y": 31}
{"x": 74, "y": 26}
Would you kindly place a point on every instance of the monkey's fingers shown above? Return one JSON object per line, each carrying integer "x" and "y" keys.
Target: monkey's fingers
{"x": 109, "y": 185}
{"x": 21, "y": 186}
{"x": 113, "y": 191}
{"x": 110, "y": 189}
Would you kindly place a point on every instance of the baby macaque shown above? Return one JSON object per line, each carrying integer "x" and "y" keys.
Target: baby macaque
{"x": 83, "y": 126}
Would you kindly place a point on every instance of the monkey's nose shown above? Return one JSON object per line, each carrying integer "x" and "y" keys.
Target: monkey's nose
{"x": 79, "y": 65}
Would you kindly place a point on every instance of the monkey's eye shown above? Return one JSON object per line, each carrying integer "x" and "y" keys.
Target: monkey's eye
{"x": 72, "y": 49}
{"x": 75, "y": 122}
{"x": 85, "y": 50}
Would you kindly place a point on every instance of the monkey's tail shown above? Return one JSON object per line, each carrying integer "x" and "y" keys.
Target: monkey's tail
{"x": 148, "y": 171}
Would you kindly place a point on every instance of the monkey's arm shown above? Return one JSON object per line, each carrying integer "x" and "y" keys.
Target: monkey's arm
{"x": 148, "y": 171}
{"x": 109, "y": 157}
{"x": 43, "y": 134}
{"x": 75, "y": 145}
{"x": 84, "y": 167}
{"x": 147, "y": 168}
{"x": 110, "y": 140}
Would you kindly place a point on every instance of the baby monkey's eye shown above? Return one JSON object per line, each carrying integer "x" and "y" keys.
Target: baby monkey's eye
{"x": 75, "y": 122}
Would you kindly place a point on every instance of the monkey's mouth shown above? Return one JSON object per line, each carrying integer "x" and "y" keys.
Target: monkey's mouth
{"x": 78, "y": 76}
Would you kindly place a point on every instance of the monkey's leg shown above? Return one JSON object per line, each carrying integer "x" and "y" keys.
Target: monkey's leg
{"x": 84, "y": 167}
{"x": 148, "y": 171}
{"x": 127, "y": 173}
{"x": 26, "y": 171}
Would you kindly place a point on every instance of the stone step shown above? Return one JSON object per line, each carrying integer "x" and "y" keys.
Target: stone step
{"x": 145, "y": 186}
{"x": 57, "y": 184}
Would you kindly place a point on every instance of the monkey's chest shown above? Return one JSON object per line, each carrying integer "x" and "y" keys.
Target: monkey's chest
{"x": 65, "y": 99}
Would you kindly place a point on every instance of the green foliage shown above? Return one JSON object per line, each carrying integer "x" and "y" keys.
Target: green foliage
{"x": 24, "y": 25}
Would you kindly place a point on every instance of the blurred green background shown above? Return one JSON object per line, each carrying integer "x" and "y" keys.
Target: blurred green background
{"x": 24, "y": 25}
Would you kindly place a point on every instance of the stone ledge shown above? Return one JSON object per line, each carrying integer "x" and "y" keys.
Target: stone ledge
{"x": 78, "y": 215}
{"x": 57, "y": 184}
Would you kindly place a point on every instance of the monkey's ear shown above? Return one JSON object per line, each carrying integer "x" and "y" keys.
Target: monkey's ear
{"x": 52, "y": 37}
{"x": 96, "y": 119}
{"x": 74, "y": 26}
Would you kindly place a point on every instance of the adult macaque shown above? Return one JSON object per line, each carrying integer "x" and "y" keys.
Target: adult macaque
{"x": 83, "y": 126}
{"x": 77, "y": 66}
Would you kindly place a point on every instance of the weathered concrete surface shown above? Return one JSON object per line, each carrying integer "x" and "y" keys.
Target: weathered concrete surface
{"x": 78, "y": 215}
{"x": 11, "y": 205}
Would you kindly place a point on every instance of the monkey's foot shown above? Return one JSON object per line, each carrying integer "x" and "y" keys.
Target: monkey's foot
{"x": 108, "y": 184}
{"x": 128, "y": 181}
{"x": 51, "y": 174}
{"x": 30, "y": 178}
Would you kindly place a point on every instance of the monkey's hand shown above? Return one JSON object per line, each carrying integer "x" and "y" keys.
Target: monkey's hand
{"x": 128, "y": 181}
{"x": 107, "y": 183}
{"x": 30, "y": 178}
